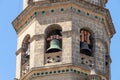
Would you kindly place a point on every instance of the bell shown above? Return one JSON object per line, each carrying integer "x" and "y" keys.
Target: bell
{"x": 85, "y": 49}
{"x": 54, "y": 46}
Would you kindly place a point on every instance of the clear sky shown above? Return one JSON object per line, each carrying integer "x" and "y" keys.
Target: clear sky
{"x": 9, "y": 10}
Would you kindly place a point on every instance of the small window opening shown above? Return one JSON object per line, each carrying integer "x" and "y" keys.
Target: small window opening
{"x": 54, "y": 41}
{"x": 25, "y": 55}
{"x": 86, "y": 42}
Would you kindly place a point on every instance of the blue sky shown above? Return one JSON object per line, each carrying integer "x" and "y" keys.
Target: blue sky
{"x": 9, "y": 10}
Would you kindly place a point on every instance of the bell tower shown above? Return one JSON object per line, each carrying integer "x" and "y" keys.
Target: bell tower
{"x": 63, "y": 40}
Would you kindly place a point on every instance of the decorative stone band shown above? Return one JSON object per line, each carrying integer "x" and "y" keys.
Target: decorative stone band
{"x": 61, "y": 71}
{"x": 94, "y": 77}
{"x": 55, "y": 69}
{"x": 32, "y": 10}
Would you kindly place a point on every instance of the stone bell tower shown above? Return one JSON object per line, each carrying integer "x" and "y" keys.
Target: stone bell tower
{"x": 63, "y": 40}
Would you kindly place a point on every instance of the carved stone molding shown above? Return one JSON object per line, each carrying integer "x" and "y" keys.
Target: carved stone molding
{"x": 19, "y": 51}
{"x": 37, "y": 37}
{"x": 66, "y": 34}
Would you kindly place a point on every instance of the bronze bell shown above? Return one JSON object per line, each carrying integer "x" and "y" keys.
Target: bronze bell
{"x": 54, "y": 46}
{"x": 85, "y": 49}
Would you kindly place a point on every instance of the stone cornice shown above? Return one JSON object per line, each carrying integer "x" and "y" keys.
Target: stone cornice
{"x": 58, "y": 69}
{"x": 35, "y": 7}
{"x": 68, "y": 68}
{"x": 110, "y": 24}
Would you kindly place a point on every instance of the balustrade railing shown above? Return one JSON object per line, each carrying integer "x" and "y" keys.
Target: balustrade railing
{"x": 53, "y": 57}
{"x": 25, "y": 68}
{"x": 86, "y": 60}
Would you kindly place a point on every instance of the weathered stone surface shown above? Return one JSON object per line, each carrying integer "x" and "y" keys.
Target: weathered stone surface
{"x": 71, "y": 17}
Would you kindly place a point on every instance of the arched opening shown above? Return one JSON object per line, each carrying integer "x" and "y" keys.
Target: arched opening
{"x": 53, "y": 39}
{"x": 53, "y": 44}
{"x": 25, "y": 57}
{"x": 86, "y": 42}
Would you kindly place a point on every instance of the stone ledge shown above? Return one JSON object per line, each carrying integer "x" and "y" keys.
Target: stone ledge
{"x": 36, "y": 6}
